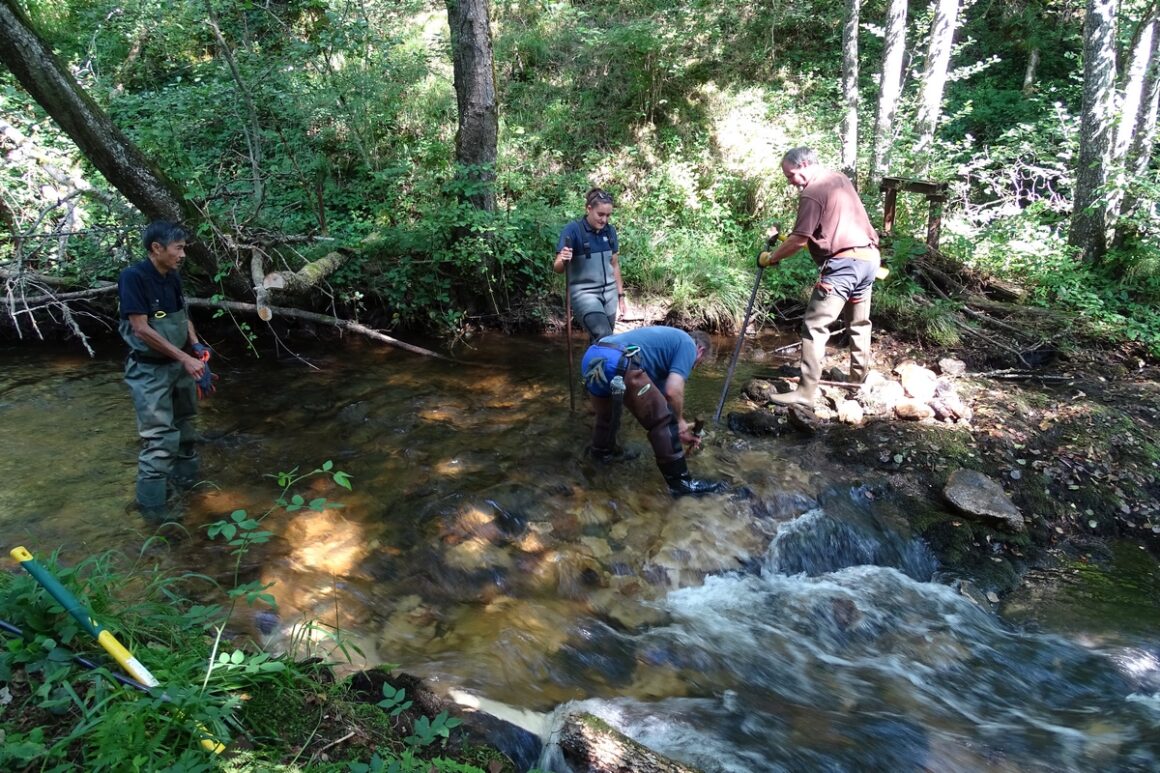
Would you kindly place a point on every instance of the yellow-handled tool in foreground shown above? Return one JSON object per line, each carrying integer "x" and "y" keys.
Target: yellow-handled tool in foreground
{"x": 104, "y": 637}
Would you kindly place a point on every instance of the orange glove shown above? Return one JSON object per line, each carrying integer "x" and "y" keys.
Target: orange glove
{"x": 205, "y": 384}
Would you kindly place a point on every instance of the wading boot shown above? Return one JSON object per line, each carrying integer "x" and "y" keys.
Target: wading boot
{"x": 815, "y": 332}
{"x": 681, "y": 483}
{"x": 151, "y": 496}
{"x": 859, "y": 326}
{"x": 185, "y": 475}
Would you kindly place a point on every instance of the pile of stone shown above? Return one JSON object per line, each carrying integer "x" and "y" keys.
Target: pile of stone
{"x": 916, "y": 394}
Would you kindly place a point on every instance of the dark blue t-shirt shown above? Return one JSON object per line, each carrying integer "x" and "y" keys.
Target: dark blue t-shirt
{"x": 663, "y": 350}
{"x": 144, "y": 290}
{"x": 580, "y": 233}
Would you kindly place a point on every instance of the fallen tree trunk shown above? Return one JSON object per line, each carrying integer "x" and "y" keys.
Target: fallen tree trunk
{"x": 21, "y": 275}
{"x": 591, "y": 745}
{"x": 326, "y": 319}
{"x": 35, "y": 66}
{"x": 93, "y": 292}
{"x": 308, "y": 276}
{"x": 16, "y": 304}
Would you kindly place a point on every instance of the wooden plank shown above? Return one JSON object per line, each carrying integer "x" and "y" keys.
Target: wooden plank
{"x": 926, "y": 187}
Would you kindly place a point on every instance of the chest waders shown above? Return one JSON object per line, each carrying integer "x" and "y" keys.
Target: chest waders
{"x": 593, "y": 289}
{"x": 597, "y": 376}
{"x": 842, "y": 289}
{"x": 165, "y": 400}
{"x": 647, "y": 403}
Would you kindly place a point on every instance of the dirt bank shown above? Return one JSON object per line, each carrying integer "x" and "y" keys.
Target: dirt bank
{"x": 1073, "y": 443}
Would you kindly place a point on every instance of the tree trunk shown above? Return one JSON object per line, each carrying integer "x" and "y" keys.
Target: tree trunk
{"x": 1143, "y": 138}
{"x": 1144, "y": 135}
{"x": 250, "y": 127}
{"x": 591, "y": 745}
{"x": 1030, "y": 72}
{"x": 477, "y": 139}
{"x": 311, "y": 316}
{"x": 891, "y": 88}
{"x": 1131, "y": 103}
{"x": 110, "y": 151}
{"x": 1089, "y": 217}
{"x": 934, "y": 77}
{"x": 850, "y": 90}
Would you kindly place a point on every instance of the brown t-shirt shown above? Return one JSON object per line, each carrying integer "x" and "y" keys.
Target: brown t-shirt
{"x": 832, "y": 217}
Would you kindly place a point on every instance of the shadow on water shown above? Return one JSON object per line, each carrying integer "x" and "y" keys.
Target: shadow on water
{"x": 789, "y": 625}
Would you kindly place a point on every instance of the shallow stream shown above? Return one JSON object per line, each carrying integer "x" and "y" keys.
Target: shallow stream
{"x": 790, "y": 625}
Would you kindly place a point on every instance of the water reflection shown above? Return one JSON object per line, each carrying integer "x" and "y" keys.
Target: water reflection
{"x": 481, "y": 549}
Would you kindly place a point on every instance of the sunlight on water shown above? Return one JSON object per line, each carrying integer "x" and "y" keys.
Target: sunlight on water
{"x": 788, "y": 625}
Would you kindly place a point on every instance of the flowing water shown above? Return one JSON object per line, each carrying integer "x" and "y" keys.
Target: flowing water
{"x": 792, "y": 625}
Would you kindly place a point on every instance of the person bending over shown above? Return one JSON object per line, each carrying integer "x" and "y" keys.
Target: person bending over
{"x": 645, "y": 371}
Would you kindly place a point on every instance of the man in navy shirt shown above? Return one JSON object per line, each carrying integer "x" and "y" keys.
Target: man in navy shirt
{"x": 645, "y": 371}
{"x": 160, "y": 372}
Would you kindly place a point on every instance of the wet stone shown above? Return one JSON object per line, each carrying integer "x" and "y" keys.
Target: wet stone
{"x": 758, "y": 423}
{"x": 975, "y": 494}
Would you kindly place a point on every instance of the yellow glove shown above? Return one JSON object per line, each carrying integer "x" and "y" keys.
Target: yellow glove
{"x": 763, "y": 260}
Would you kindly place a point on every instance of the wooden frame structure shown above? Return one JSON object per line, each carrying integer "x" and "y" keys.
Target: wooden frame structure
{"x": 936, "y": 196}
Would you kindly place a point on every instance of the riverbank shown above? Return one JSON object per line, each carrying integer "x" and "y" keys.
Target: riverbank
{"x": 1072, "y": 443}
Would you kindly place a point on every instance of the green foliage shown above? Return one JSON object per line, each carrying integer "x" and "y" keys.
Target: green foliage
{"x": 409, "y": 763}
{"x": 394, "y": 700}
{"x": 427, "y": 731}
{"x": 56, "y": 715}
{"x": 334, "y": 120}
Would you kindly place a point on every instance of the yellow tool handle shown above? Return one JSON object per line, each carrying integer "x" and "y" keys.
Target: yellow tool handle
{"x": 126, "y": 660}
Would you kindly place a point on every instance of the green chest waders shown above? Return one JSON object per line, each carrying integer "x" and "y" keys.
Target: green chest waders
{"x": 165, "y": 400}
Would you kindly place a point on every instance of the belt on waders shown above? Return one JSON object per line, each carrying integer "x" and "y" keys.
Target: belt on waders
{"x": 616, "y": 384}
{"x": 865, "y": 252}
{"x": 138, "y": 357}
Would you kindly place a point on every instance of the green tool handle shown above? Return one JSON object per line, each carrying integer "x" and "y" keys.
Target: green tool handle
{"x": 62, "y": 594}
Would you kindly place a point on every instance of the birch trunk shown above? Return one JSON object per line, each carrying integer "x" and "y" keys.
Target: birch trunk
{"x": 891, "y": 88}
{"x": 1030, "y": 72}
{"x": 1143, "y": 136}
{"x": 1131, "y": 104}
{"x": 850, "y": 90}
{"x": 934, "y": 77}
{"x": 1089, "y": 217}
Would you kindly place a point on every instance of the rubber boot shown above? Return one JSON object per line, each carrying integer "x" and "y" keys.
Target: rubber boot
{"x": 186, "y": 473}
{"x": 815, "y": 332}
{"x": 151, "y": 494}
{"x": 859, "y": 326}
{"x": 681, "y": 483}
